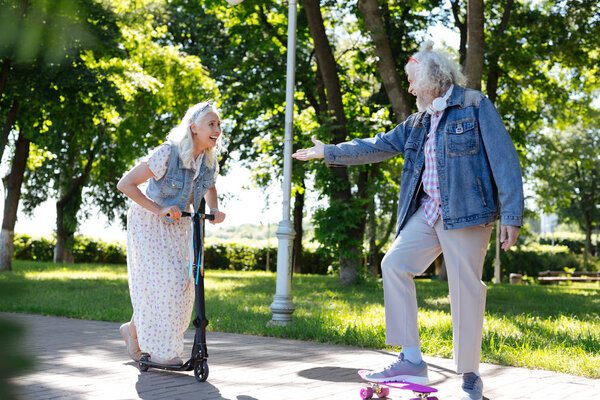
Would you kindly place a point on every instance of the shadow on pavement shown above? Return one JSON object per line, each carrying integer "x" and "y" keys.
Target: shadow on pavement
{"x": 331, "y": 374}
{"x": 155, "y": 384}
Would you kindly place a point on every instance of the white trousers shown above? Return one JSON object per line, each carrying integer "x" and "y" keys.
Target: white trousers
{"x": 415, "y": 248}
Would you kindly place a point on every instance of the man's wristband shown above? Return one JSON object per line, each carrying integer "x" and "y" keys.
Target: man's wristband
{"x": 213, "y": 209}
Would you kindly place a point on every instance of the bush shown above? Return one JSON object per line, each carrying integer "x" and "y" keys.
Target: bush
{"x": 244, "y": 255}
{"x": 249, "y": 255}
{"x": 85, "y": 250}
{"x": 30, "y": 248}
{"x": 88, "y": 250}
{"x": 574, "y": 241}
{"x": 532, "y": 258}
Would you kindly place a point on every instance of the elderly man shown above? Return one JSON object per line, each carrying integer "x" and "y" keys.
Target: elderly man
{"x": 461, "y": 173}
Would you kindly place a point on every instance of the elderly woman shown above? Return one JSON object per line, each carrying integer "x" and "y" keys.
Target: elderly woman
{"x": 461, "y": 173}
{"x": 181, "y": 172}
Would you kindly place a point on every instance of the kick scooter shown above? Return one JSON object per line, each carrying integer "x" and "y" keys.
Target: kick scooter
{"x": 198, "y": 361}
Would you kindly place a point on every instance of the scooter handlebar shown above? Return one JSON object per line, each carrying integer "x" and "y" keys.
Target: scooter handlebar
{"x": 209, "y": 217}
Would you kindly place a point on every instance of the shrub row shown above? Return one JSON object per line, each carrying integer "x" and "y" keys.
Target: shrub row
{"x": 85, "y": 250}
{"x": 574, "y": 241}
{"x": 242, "y": 256}
{"x": 533, "y": 258}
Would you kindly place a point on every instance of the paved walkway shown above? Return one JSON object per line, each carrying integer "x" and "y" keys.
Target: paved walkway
{"x": 77, "y": 359}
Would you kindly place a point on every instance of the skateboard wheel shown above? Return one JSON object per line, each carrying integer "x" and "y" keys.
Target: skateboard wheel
{"x": 366, "y": 393}
{"x": 383, "y": 392}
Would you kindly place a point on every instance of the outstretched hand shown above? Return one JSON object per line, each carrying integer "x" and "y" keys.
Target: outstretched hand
{"x": 317, "y": 151}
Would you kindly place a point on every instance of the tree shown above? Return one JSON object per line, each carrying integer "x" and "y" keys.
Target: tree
{"x": 136, "y": 96}
{"x": 40, "y": 42}
{"x": 567, "y": 172}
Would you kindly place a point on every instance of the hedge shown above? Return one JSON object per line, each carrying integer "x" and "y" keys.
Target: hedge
{"x": 574, "y": 241}
{"x": 85, "y": 250}
{"x": 240, "y": 256}
{"x": 532, "y": 258}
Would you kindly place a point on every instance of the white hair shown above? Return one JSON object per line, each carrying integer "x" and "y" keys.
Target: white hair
{"x": 181, "y": 135}
{"x": 435, "y": 71}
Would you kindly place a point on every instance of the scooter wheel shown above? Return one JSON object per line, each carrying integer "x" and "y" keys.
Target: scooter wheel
{"x": 142, "y": 364}
{"x": 201, "y": 371}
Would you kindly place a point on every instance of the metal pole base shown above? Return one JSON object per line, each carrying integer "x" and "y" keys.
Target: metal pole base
{"x": 282, "y": 308}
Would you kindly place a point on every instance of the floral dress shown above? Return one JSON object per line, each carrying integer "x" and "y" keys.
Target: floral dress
{"x": 160, "y": 285}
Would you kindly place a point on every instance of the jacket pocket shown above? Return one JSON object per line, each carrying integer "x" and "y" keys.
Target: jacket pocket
{"x": 171, "y": 187}
{"x": 462, "y": 138}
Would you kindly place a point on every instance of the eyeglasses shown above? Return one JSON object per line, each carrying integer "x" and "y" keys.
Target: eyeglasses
{"x": 413, "y": 59}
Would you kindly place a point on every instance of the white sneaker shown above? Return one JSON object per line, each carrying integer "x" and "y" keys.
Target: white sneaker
{"x": 401, "y": 371}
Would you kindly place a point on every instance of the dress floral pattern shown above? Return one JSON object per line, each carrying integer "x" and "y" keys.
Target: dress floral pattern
{"x": 160, "y": 286}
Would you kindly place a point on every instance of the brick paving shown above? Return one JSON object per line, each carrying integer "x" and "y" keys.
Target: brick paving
{"x": 78, "y": 359}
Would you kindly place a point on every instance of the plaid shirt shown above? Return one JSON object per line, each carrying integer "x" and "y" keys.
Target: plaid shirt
{"x": 432, "y": 201}
{"x": 431, "y": 185}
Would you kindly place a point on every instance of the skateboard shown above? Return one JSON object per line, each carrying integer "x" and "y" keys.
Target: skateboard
{"x": 382, "y": 389}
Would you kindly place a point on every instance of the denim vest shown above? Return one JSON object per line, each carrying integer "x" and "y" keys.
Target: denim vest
{"x": 176, "y": 185}
{"x": 478, "y": 167}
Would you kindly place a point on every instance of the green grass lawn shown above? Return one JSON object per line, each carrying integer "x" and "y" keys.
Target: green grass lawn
{"x": 554, "y": 327}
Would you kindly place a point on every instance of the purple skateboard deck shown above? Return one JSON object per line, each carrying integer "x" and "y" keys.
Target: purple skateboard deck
{"x": 421, "y": 391}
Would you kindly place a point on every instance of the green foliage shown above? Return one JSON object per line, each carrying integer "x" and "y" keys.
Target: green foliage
{"x": 247, "y": 256}
{"x": 530, "y": 259}
{"x": 48, "y": 30}
{"x": 567, "y": 173}
{"x": 85, "y": 250}
{"x": 575, "y": 242}
{"x": 227, "y": 255}
{"x": 13, "y": 360}
{"x": 31, "y": 248}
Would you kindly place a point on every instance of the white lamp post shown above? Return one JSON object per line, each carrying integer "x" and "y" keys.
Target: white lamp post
{"x": 282, "y": 306}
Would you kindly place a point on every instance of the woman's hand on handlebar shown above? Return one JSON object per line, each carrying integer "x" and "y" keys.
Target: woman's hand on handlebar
{"x": 171, "y": 212}
{"x": 219, "y": 217}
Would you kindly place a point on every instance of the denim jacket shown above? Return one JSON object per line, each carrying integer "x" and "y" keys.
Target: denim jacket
{"x": 478, "y": 167}
{"x": 176, "y": 185}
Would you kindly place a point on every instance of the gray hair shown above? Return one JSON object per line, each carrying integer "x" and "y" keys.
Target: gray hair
{"x": 435, "y": 70}
{"x": 181, "y": 135}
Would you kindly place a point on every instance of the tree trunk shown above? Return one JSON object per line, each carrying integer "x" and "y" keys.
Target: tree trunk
{"x": 14, "y": 180}
{"x": 66, "y": 211}
{"x": 373, "y": 257}
{"x": 385, "y": 59}
{"x": 588, "y": 239}
{"x": 11, "y": 118}
{"x": 494, "y": 69}
{"x": 440, "y": 268}
{"x": 475, "y": 44}
{"x": 349, "y": 255}
{"x": 298, "y": 214}
{"x": 63, "y": 250}
{"x": 327, "y": 66}
{"x": 4, "y": 74}
{"x": 462, "y": 28}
